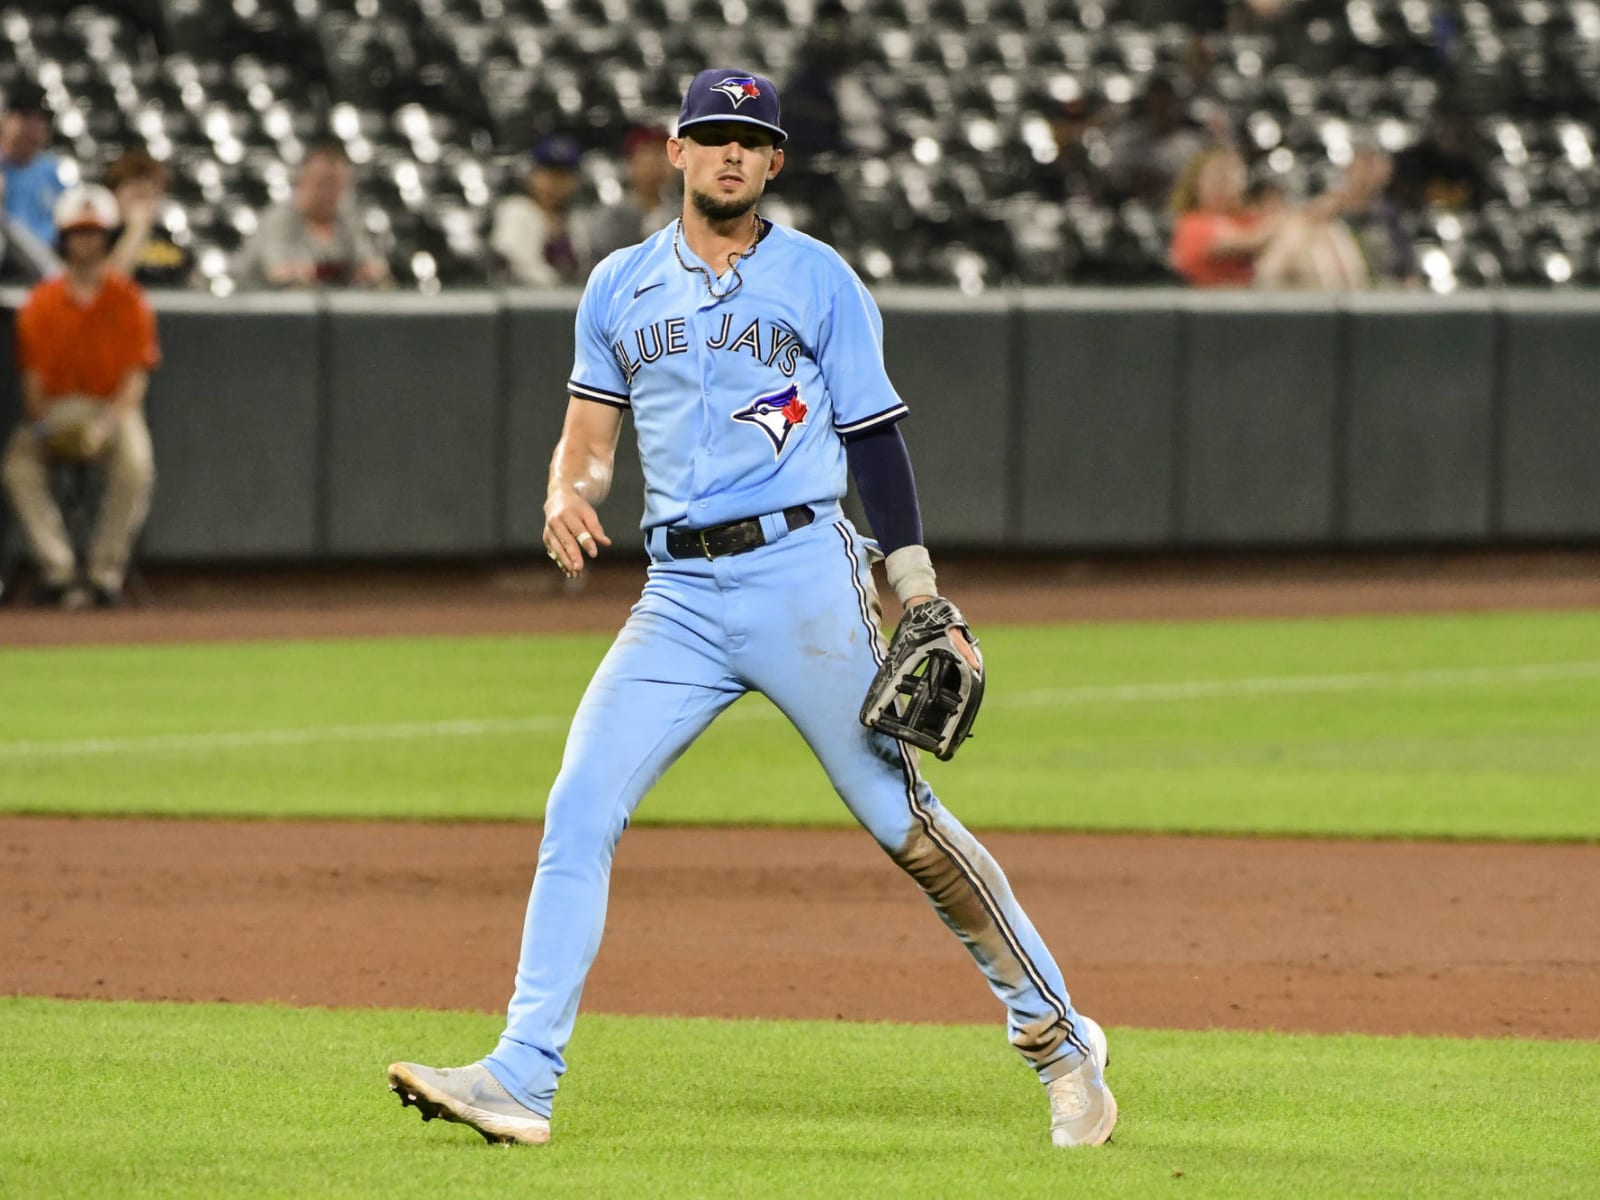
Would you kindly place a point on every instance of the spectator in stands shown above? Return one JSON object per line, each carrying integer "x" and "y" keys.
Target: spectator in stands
{"x": 1216, "y": 234}
{"x": 316, "y": 239}
{"x": 1374, "y": 219}
{"x": 828, "y": 108}
{"x": 1073, "y": 174}
{"x": 1443, "y": 171}
{"x": 146, "y": 16}
{"x": 86, "y": 342}
{"x": 1219, "y": 240}
{"x": 650, "y": 204}
{"x": 1151, "y": 148}
{"x": 145, "y": 252}
{"x": 539, "y": 238}
{"x": 1363, "y": 206}
{"x": 30, "y": 176}
{"x": 830, "y": 114}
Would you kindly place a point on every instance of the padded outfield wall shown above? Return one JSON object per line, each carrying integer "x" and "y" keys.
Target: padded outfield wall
{"x": 303, "y": 427}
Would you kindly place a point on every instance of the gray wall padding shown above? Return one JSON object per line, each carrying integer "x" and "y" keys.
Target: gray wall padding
{"x": 949, "y": 358}
{"x": 1257, "y": 446}
{"x": 1550, "y": 441}
{"x": 233, "y": 416}
{"x": 297, "y": 427}
{"x": 1096, "y": 434}
{"x": 1421, "y": 419}
{"x": 414, "y": 439}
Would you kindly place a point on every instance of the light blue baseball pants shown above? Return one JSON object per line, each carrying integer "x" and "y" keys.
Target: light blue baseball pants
{"x": 793, "y": 620}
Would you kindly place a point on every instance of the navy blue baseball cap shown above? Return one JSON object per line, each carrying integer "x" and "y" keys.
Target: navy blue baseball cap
{"x": 729, "y": 94}
{"x": 558, "y": 150}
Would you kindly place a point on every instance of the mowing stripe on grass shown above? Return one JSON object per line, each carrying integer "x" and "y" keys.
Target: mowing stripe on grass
{"x": 1131, "y": 693}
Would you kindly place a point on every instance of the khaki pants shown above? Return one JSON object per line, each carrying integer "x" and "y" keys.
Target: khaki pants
{"x": 130, "y": 474}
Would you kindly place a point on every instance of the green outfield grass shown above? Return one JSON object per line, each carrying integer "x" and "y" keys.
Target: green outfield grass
{"x": 1462, "y": 726}
{"x": 212, "y": 1100}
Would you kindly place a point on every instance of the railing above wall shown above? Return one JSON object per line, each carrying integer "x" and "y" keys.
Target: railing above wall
{"x": 300, "y": 426}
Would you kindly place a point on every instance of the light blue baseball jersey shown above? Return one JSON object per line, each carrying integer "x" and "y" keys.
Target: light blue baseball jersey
{"x": 738, "y": 403}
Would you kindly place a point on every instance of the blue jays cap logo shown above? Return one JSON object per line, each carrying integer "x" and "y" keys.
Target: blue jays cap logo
{"x": 775, "y": 414}
{"x": 738, "y": 89}
{"x": 731, "y": 94}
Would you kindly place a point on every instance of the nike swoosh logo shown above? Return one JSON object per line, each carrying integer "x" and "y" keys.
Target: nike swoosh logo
{"x": 637, "y": 292}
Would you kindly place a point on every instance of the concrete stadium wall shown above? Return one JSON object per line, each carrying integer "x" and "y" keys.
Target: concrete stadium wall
{"x": 317, "y": 427}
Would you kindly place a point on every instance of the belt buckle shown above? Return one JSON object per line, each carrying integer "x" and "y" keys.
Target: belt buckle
{"x": 704, "y": 549}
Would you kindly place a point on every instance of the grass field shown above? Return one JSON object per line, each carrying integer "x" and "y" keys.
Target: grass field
{"x": 1467, "y": 726}
{"x": 1481, "y": 726}
{"x": 208, "y": 1100}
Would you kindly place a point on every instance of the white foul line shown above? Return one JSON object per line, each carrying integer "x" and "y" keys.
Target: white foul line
{"x": 1193, "y": 689}
{"x": 1291, "y": 685}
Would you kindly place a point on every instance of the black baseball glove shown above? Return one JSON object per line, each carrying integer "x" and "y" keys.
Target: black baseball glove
{"x": 925, "y": 692}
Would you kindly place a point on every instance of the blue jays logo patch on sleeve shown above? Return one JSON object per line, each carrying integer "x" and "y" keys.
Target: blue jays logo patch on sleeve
{"x": 738, "y": 89}
{"x": 775, "y": 414}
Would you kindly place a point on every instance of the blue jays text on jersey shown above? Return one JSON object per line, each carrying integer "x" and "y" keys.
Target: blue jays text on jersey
{"x": 740, "y": 404}
{"x": 774, "y": 346}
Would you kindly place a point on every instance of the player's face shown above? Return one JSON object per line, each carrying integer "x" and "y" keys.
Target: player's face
{"x": 725, "y": 165}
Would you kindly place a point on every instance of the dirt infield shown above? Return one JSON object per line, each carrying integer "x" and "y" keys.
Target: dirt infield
{"x": 1164, "y": 932}
{"x": 451, "y": 599}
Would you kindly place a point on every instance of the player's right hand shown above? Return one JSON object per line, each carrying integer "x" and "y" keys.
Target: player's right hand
{"x": 571, "y": 531}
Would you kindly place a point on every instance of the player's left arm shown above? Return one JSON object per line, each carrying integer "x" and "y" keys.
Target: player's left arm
{"x": 867, "y": 412}
{"x": 881, "y": 466}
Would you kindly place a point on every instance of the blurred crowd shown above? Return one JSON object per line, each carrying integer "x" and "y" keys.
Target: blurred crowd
{"x": 1172, "y": 157}
{"x": 1233, "y": 222}
{"x": 544, "y": 235}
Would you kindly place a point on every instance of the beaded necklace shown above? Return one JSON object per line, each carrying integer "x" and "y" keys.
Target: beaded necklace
{"x": 733, "y": 261}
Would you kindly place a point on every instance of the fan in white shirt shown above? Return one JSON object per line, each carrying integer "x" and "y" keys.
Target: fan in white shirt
{"x": 538, "y": 236}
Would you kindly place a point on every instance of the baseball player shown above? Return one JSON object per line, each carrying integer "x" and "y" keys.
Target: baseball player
{"x": 750, "y": 356}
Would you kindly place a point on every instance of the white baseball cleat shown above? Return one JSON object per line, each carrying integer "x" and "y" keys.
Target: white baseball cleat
{"x": 469, "y": 1096}
{"x": 1083, "y": 1111}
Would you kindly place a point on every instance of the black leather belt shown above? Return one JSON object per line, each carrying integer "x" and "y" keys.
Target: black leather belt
{"x": 735, "y": 537}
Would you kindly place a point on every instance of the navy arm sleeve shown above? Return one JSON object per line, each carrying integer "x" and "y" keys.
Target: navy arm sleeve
{"x": 881, "y": 468}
